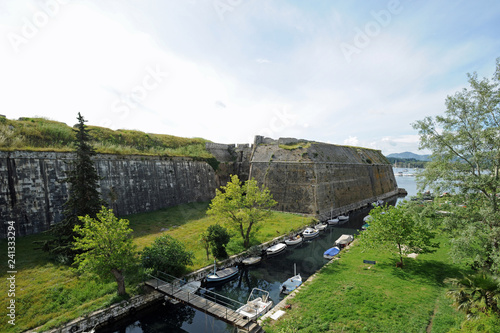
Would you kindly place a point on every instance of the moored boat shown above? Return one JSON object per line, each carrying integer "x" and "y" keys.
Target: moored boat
{"x": 333, "y": 221}
{"x": 310, "y": 233}
{"x": 344, "y": 240}
{"x": 258, "y": 303}
{"x": 331, "y": 252}
{"x": 320, "y": 226}
{"x": 222, "y": 275}
{"x": 343, "y": 218}
{"x": 292, "y": 283}
{"x": 275, "y": 249}
{"x": 294, "y": 240}
{"x": 251, "y": 261}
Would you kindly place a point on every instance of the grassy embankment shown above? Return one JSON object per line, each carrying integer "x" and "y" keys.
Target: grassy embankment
{"x": 350, "y": 296}
{"x": 49, "y": 294}
{"x": 40, "y": 134}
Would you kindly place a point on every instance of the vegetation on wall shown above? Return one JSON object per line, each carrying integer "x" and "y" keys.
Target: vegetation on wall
{"x": 41, "y": 134}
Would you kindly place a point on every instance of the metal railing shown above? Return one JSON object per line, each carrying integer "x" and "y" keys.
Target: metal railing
{"x": 204, "y": 298}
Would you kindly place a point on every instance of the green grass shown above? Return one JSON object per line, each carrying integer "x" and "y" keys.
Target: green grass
{"x": 49, "y": 294}
{"x": 40, "y": 134}
{"x": 349, "y": 296}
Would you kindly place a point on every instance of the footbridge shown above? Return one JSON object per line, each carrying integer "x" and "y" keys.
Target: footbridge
{"x": 204, "y": 300}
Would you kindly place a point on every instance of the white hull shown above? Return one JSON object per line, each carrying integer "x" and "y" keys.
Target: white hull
{"x": 275, "y": 249}
{"x": 294, "y": 241}
{"x": 310, "y": 233}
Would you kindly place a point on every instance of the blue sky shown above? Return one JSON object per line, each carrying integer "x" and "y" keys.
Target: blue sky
{"x": 344, "y": 72}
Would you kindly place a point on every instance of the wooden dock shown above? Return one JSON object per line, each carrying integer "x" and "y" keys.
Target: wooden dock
{"x": 206, "y": 305}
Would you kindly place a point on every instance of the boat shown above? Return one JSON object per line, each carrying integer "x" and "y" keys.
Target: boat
{"x": 292, "y": 283}
{"x": 251, "y": 261}
{"x": 275, "y": 249}
{"x": 331, "y": 252}
{"x": 344, "y": 240}
{"x": 294, "y": 240}
{"x": 367, "y": 218}
{"x": 365, "y": 226}
{"x": 320, "y": 226}
{"x": 223, "y": 274}
{"x": 343, "y": 218}
{"x": 310, "y": 233}
{"x": 333, "y": 221}
{"x": 191, "y": 287}
{"x": 258, "y": 303}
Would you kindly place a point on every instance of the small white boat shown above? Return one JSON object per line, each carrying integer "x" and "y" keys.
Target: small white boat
{"x": 223, "y": 274}
{"x": 343, "y": 218}
{"x": 292, "y": 283}
{"x": 275, "y": 249}
{"x": 333, "y": 221}
{"x": 251, "y": 261}
{"x": 367, "y": 218}
{"x": 344, "y": 240}
{"x": 331, "y": 252}
{"x": 320, "y": 226}
{"x": 191, "y": 287}
{"x": 310, "y": 233}
{"x": 294, "y": 240}
{"x": 258, "y": 303}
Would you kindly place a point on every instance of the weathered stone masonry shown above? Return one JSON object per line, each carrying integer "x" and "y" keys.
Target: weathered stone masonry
{"x": 32, "y": 191}
{"x": 313, "y": 178}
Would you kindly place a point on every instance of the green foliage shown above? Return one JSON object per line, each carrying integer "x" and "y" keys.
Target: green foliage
{"x": 84, "y": 196}
{"x": 107, "y": 245}
{"x": 44, "y": 134}
{"x": 475, "y": 293}
{"x": 167, "y": 255}
{"x": 465, "y": 149}
{"x": 218, "y": 237}
{"x": 483, "y": 323}
{"x": 399, "y": 229}
{"x": 242, "y": 206}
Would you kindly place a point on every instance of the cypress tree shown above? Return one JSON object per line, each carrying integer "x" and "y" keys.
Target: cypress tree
{"x": 84, "y": 197}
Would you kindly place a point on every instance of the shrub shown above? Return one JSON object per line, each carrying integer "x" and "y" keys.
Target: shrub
{"x": 167, "y": 255}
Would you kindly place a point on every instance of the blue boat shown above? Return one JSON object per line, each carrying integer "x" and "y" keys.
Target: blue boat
{"x": 331, "y": 252}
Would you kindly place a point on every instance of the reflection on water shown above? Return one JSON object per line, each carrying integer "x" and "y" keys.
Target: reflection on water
{"x": 268, "y": 275}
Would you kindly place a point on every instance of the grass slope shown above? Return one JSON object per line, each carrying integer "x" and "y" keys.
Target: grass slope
{"x": 350, "y": 296}
{"x": 40, "y": 134}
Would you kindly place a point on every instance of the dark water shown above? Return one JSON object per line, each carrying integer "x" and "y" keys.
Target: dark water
{"x": 268, "y": 275}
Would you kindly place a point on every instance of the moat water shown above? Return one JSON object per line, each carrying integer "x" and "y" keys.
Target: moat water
{"x": 268, "y": 275}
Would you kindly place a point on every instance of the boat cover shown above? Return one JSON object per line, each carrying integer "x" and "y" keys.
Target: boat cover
{"x": 332, "y": 251}
{"x": 344, "y": 239}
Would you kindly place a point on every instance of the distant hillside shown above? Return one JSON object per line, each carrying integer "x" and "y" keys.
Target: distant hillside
{"x": 40, "y": 134}
{"x": 408, "y": 156}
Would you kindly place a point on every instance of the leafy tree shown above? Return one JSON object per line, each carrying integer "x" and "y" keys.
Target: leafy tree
{"x": 84, "y": 197}
{"x": 242, "y": 206}
{"x": 106, "y": 245}
{"x": 475, "y": 293}
{"x": 398, "y": 229}
{"x": 205, "y": 243}
{"x": 167, "y": 255}
{"x": 218, "y": 237}
{"x": 465, "y": 156}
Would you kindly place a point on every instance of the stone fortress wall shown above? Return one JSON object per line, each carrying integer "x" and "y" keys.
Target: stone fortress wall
{"x": 303, "y": 176}
{"x": 32, "y": 191}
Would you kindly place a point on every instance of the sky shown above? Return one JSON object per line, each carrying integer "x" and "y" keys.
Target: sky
{"x": 343, "y": 72}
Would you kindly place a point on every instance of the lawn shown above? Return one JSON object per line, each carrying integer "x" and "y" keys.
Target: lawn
{"x": 350, "y": 296}
{"x": 49, "y": 294}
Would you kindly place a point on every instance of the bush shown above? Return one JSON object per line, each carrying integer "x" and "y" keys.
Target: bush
{"x": 218, "y": 237}
{"x": 167, "y": 255}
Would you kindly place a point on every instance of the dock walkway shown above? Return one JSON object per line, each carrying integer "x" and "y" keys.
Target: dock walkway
{"x": 220, "y": 307}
